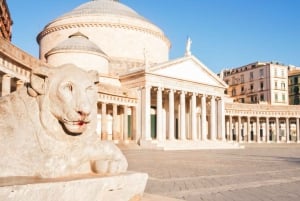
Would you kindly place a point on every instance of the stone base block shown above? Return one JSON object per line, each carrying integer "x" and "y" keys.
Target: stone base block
{"x": 129, "y": 186}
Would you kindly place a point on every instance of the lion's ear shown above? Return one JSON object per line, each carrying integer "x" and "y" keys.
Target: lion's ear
{"x": 38, "y": 80}
{"x": 94, "y": 76}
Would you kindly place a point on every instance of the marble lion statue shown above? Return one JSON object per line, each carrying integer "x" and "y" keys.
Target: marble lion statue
{"x": 48, "y": 127}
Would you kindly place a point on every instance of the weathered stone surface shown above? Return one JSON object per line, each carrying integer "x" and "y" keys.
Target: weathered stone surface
{"x": 48, "y": 128}
{"x": 124, "y": 187}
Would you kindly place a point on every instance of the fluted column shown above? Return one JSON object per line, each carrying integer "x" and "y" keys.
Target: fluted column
{"x": 146, "y": 113}
{"x": 194, "y": 117}
{"x": 103, "y": 122}
{"x": 125, "y": 123}
{"x": 115, "y": 123}
{"x": 257, "y": 130}
{"x": 229, "y": 137}
{"x": 213, "y": 118}
{"x": 203, "y": 118}
{"x": 277, "y": 129}
{"x": 297, "y": 130}
{"x": 248, "y": 129}
{"x": 221, "y": 119}
{"x": 133, "y": 123}
{"x": 240, "y": 128}
{"x": 6, "y": 84}
{"x": 159, "y": 114}
{"x": 287, "y": 133}
{"x": 171, "y": 115}
{"x": 267, "y": 130}
{"x": 182, "y": 116}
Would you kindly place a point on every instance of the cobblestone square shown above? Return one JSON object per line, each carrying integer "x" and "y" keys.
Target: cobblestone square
{"x": 258, "y": 172}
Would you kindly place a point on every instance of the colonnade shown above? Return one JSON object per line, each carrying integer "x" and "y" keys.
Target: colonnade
{"x": 262, "y": 129}
{"x": 174, "y": 114}
{"x": 116, "y": 122}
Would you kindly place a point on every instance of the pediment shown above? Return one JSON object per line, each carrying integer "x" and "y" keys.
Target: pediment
{"x": 189, "y": 69}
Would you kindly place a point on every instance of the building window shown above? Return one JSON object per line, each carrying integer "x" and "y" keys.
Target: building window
{"x": 276, "y": 97}
{"x": 251, "y": 75}
{"x": 261, "y": 85}
{"x": 276, "y": 86}
{"x": 233, "y": 92}
{"x": 262, "y": 97}
{"x": 283, "y": 98}
{"x": 282, "y": 73}
{"x": 295, "y": 80}
{"x": 242, "y": 79}
{"x": 242, "y": 89}
{"x": 233, "y": 80}
{"x": 296, "y": 90}
{"x": 261, "y": 73}
{"x": 253, "y": 99}
{"x": 275, "y": 72}
{"x": 251, "y": 87}
{"x": 282, "y": 86}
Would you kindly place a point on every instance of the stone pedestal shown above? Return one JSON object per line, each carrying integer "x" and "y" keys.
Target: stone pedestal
{"x": 124, "y": 187}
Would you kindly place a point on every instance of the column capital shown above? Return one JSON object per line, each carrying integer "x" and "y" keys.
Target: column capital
{"x": 211, "y": 97}
{"x": 169, "y": 90}
{"x": 219, "y": 98}
{"x": 7, "y": 76}
{"x": 157, "y": 88}
{"x": 191, "y": 93}
{"x": 146, "y": 87}
{"x": 182, "y": 92}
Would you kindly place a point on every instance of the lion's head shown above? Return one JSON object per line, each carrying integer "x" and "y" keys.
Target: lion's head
{"x": 67, "y": 97}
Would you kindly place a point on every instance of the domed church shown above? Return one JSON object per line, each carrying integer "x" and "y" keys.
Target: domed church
{"x": 121, "y": 33}
{"x": 144, "y": 97}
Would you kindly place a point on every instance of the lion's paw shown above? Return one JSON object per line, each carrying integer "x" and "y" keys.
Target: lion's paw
{"x": 110, "y": 166}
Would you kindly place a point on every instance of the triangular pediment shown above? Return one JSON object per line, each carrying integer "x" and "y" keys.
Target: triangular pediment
{"x": 189, "y": 69}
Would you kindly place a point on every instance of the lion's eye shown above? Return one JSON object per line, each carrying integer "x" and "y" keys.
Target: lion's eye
{"x": 69, "y": 86}
{"x": 90, "y": 88}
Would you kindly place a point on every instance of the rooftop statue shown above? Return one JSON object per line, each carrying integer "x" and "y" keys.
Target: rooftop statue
{"x": 47, "y": 128}
{"x": 188, "y": 47}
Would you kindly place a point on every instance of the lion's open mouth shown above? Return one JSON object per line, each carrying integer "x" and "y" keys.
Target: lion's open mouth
{"x": 79, "y": 122}
{"x": 75, "y": 127}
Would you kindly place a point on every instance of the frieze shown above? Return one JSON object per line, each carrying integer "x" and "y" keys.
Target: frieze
{"x": 111, "y": 25}
{"x": 116, "y": 99}
{"x": 236, "y": 112}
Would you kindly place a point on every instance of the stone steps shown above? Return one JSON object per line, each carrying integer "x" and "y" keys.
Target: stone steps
{"x": 197, "y": 145}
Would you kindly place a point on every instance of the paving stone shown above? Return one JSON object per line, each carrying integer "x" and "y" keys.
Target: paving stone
{"x": 258, "y": 172}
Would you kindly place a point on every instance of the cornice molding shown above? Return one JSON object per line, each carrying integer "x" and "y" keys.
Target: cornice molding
{"x": 95, "y": 24}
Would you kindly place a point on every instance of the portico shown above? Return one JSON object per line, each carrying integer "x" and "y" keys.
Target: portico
{"x": 180, "y": 100}
{"x": 181, "y": 115}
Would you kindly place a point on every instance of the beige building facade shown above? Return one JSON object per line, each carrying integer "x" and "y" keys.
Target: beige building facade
{"x": 259, "y": 82}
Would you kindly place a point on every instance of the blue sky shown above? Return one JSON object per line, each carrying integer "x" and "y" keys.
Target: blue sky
{"x": 224, "y": 33}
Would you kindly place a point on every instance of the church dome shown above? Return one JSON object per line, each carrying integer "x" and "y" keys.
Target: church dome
{"x": 122, "y": 33}
{"x": 79, "y": 50}
{"x": 76, "y": 42}
{"x": 96, "y": 7}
